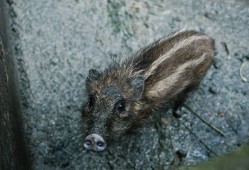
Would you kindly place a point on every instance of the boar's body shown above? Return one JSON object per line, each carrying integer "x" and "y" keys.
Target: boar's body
{"x": 161, "y": 74}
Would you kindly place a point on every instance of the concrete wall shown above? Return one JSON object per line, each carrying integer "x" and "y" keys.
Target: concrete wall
{"x": 13, "y": 154}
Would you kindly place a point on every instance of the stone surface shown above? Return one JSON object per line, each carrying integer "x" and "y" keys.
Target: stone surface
{"x": 57, "y": 42}
{"x": 13, "y": 152}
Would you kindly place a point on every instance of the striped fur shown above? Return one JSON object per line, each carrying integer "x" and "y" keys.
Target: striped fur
{"x": 161, "y": 74}
{"x": 173, "y": 66}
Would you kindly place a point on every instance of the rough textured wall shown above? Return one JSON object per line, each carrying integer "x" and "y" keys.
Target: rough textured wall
{"x": 13, "y": 153}
{"x": 56, "y": 42}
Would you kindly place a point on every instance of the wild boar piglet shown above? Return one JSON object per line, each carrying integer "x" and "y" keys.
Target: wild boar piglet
{"x": 159, "y": 75}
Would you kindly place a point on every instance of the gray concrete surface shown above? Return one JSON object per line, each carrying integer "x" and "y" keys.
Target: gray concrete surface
{"x": 57, "y": 42}
{"x": 13, "y": 151}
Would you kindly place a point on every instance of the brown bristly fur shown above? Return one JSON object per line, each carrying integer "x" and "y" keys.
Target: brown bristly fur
{"x": 160, "y": 74}
{"x": 184, "y": 58}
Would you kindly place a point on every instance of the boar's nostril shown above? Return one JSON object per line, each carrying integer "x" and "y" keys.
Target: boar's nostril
{"x": 88, "y": 142}
{"x": 94, "y": 142}
{"x": 100, "y": 143}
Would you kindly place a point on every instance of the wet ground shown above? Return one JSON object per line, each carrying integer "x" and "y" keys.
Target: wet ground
{"x": 57, "y": 42}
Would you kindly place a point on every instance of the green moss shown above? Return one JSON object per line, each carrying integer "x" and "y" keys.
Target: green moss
{"x": 237, "y": 160}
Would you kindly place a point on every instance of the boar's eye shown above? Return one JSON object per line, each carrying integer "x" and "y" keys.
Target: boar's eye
{"x": 120, "y": 106}
{"x": 91, "y": 101}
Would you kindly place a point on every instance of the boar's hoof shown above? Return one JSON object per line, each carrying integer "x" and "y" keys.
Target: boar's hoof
{"x": 94, "y": 142}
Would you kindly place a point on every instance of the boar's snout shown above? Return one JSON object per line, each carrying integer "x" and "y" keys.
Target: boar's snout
{"x": 94, "y": 142}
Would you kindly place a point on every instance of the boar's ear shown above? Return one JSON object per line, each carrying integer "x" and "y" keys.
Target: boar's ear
{"x": 92, "y": 75}
{"x": 137, "y": 83}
